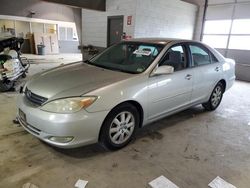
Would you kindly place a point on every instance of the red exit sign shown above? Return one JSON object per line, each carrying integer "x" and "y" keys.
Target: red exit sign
{"x": 129, "y": 20}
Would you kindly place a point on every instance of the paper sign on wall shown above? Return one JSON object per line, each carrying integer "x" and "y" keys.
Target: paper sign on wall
{"x": 129, "y": 20}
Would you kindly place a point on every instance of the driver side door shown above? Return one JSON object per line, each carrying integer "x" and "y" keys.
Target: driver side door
{"x": 171, "y": 92}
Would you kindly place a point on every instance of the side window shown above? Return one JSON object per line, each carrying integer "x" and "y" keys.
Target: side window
{"x": 175, "y": 57}
{"x": 200, "y": 56}
{"x": 214, "y": 59}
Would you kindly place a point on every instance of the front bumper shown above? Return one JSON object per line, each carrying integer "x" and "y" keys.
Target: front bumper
{"x": 82, "y": 126}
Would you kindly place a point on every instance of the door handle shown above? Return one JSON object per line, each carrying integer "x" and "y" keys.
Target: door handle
{"x": 217, "y": 69}
{"x": 188, "y": 77}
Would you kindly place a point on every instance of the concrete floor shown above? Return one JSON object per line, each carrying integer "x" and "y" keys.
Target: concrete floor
{"x": 190, "y": 148}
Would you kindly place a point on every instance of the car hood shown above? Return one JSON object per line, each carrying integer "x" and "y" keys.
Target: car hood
{"x": 73, "y": 79}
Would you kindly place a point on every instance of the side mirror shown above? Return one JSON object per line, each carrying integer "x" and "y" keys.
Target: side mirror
{"x": 164, "y": 69}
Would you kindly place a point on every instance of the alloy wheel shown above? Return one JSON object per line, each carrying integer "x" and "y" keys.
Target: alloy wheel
{"x": 122, "y": 127}
{"x": 216, "y": 96}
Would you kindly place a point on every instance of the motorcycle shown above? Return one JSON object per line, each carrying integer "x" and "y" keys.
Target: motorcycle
{"x": 12, "y": 65}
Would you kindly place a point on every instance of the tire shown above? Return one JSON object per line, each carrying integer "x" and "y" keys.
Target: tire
{"x": 215, "y": 98}
{"x": 119, "y": 127}
{"x": 6, "y": 86}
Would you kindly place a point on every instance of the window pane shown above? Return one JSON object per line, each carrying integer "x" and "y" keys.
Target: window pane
{"x": 215, "y": 41}
{"x": 200, "y": 56}
{"x": 239, "y": 42}
{"x": 7, "y": 28}
{"x": 37, "y": 27}
{"x": 241, "y": 26}
{"x": 217, "y": 27}
{"x": 69, "y": 33}
{"x": 62, "y": 33}
{"x": 22, "y": 28}
{"x": 50, "y": 28}
{"x": 176, "y": 58}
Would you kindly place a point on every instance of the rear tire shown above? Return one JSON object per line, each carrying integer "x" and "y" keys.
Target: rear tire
{"x": 119, "y": 127}
{"x": 215, "y": 98}
{"x": 6, "y": 86}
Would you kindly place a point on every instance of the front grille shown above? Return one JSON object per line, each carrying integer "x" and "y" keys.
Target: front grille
{"x": 34, "y": 98}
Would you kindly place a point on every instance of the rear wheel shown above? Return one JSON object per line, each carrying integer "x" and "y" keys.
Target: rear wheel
{"x": 215, "y": 98}
{"x": 119, "y": 127}
{"x": 6, "y": 85}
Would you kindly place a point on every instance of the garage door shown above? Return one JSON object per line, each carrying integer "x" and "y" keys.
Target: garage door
{"x": 227, "y": 28}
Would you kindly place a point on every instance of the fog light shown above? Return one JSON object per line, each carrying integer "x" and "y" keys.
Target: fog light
{"x": 61, "y": 139}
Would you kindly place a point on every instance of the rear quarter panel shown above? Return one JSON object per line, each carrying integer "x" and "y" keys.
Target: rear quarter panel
{"x": 229, "y": 72}
{"x": 228, "y": 67}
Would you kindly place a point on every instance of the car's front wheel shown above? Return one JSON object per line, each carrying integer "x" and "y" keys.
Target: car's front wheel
{"x": 215, "y": 98}
{"x": 119, "y": 127}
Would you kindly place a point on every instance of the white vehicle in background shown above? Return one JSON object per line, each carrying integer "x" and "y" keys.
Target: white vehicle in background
{"x": 129, "y": 85}
{"x": 12, "y": 66}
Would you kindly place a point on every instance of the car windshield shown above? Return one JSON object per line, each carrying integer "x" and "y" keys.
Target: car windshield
{"x": 130, "y": 57}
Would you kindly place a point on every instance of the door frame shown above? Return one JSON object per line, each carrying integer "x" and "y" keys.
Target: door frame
{"x": 108, "y": 26}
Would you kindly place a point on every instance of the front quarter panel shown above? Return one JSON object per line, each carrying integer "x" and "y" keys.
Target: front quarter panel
{"x": 132, "y": 89}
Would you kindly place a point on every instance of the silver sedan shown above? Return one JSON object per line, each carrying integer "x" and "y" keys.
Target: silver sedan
{"x": 129, "y": 85}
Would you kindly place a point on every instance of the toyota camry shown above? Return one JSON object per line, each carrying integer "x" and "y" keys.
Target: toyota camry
{"x": 107, "y": 98}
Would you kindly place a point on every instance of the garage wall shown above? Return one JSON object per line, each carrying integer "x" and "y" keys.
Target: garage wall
{"x": 94, "y": 23}
{"x": 44, "y": 10}
{"x": 165, "y": 18}
{"x": 150, "y": 18}
{"x": 232, "y": 10}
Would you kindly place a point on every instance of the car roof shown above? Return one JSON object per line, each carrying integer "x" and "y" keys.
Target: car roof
{"x": 165, "y": 41}
{"x": 159, "y": 40}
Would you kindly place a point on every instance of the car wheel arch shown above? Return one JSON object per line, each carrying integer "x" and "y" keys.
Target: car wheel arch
{"x": 131, "y": 102}
{"x": 223, "y": 81}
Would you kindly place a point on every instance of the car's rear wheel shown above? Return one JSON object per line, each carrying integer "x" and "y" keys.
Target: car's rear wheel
{"x": 215, "y": 98}
{"x": 119, "y": 127}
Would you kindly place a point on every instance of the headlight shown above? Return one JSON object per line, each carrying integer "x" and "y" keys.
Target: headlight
{"x": 68, "y": 105}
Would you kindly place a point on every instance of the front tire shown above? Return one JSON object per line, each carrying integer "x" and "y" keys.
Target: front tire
{"x": 215, "y": 98}
{"x": 119, "y": 127}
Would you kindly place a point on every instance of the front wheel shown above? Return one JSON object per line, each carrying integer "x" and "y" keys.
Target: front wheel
{"x": 215, "y": 98}
{"x": 119, "y": 127}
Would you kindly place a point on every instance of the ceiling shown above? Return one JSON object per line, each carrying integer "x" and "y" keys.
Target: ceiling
{"x": 88, "y": 4}
{"x": 196, "y": 2}
{"x": 101, "y": 4}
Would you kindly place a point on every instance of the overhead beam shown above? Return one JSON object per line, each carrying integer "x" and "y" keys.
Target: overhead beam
{"x": 196, "y": 2}
{"x": 88, "y": 4}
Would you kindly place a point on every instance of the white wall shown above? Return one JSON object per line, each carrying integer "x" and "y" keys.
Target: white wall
{"x": 165, "y": 18}
{"x": 94, "y": 26}
{"x": 150, "y": 18}
{"x": 94, "y": 23}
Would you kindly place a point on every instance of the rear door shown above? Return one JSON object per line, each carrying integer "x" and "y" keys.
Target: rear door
{"x": 207, "y": 71}
{"x": 171, "y": 92}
